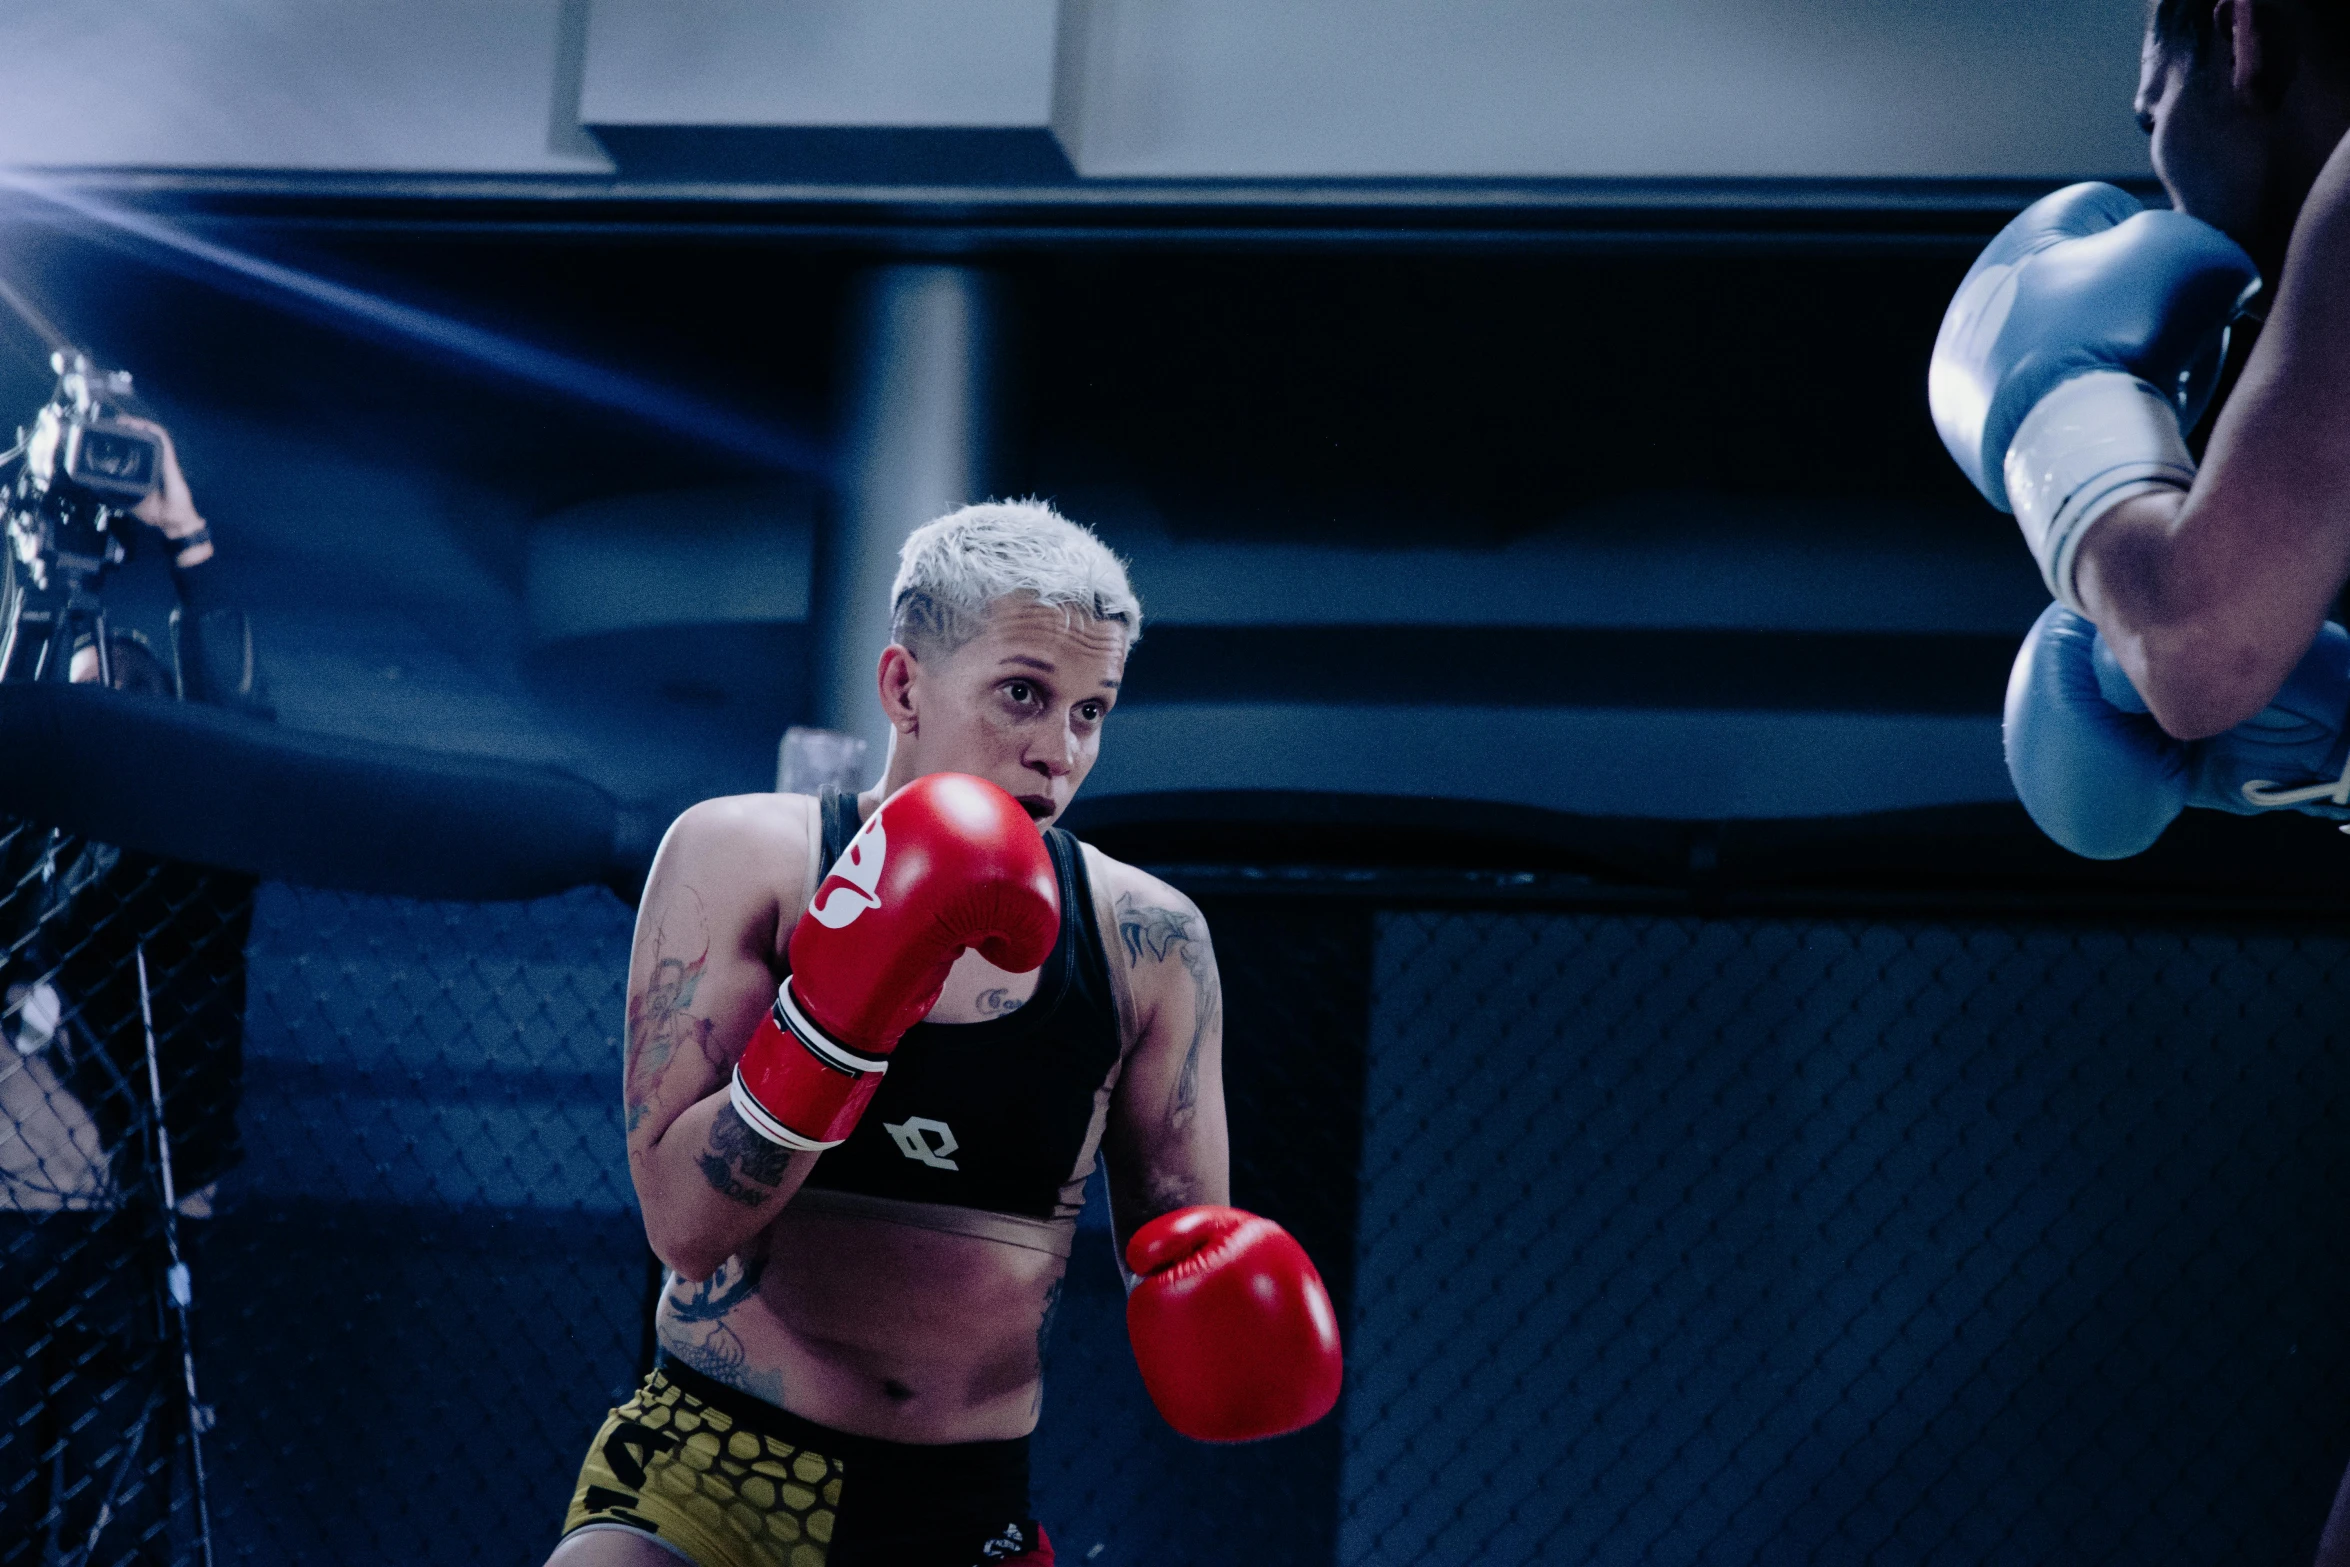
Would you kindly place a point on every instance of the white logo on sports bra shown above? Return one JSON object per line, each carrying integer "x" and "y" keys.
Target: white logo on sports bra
{"x": 853, "y": 878}
{"x": 912, "y": 1135}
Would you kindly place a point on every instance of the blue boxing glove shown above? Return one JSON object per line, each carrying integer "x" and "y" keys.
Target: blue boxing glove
{"x": 2100, "y": 776}
{"x": 2081, "y": 345}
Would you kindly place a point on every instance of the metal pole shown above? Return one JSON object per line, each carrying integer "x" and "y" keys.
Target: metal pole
{"x": 182, "y": 1295}
{"x": 918, "y": 443}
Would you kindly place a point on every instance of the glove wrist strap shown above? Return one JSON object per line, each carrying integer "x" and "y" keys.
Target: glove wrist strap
{"x": 798, "y": 1087}
{"x": 2096, "y": 441}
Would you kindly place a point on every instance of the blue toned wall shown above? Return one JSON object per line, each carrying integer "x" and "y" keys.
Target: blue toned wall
{"x": 1785, "y": 1240}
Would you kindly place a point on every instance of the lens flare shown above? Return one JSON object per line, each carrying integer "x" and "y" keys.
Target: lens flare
{"x": 757, "y": 440}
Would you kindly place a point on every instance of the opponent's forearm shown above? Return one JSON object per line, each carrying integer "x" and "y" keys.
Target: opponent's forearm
{"x": 709, "y": 1184}
{"x": 2206, "y": 627}
{"x": 2078, "y": 352}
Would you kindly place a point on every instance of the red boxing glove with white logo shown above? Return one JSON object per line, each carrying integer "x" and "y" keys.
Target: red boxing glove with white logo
{"x": 1231, "y": 1326}
{"x": 947, "y": 862}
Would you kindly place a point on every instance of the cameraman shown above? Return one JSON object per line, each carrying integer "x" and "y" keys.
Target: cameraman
{"x": 91, "y": 1400}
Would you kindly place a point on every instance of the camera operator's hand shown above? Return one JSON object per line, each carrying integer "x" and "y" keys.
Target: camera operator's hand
{"x": 171, "y": 510}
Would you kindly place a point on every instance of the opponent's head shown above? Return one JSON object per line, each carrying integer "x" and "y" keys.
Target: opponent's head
{"x": 1009, "y": 630}
{"x": 2243, "y": 100}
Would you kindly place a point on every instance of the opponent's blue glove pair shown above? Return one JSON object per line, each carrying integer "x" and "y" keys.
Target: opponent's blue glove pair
{"x": 2100, "y": 776}
{"x": 2081, "y": 345}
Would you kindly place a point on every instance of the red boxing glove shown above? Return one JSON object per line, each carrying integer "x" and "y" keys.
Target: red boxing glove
{"x": 1231, "y": 1326}
{"x": 947, "y": 862}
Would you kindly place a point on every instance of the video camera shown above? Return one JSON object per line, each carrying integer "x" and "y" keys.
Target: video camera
{"x": 77, "y": 470}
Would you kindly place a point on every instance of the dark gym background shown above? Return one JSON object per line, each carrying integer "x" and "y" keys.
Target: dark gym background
{"x": 1729, "y": 1132}
{"x": 1688, "y": 1194}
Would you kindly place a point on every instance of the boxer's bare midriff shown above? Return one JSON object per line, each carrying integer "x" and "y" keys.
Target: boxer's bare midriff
{"x": 883, "y": 1329}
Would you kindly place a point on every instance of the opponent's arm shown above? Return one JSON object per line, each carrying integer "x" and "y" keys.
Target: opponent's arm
{"x": 1166, "y": 1146}
{"x": 2101, "y": 777}
{"x": 2210, "y": 598}
{"x": 699, "y": 982}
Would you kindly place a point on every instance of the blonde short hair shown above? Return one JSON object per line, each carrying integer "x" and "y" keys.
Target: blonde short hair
{"x": 950, "y": 572}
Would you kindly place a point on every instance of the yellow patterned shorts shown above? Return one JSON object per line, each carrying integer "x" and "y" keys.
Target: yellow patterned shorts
{"x": 727, "y": 1480}
{"x": 675, "y": 1466}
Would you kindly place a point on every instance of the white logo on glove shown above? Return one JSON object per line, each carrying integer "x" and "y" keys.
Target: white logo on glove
{"x": 912, "y": 1135}
{"x": 859, "y": 868}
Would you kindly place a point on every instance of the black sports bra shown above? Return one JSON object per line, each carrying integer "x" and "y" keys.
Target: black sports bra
{"x": 993, "y": 1115}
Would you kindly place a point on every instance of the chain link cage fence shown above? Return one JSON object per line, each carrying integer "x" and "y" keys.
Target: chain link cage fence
{"x": 1663, "y": 1227}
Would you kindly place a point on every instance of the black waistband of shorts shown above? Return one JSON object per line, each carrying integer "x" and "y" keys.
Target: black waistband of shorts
{"x": 983, "y": 1478}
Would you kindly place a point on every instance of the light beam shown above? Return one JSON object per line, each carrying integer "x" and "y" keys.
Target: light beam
{"x": 757, "y": 440}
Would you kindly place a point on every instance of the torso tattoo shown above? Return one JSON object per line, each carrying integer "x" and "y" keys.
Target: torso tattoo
{"x": 999, "y": 1003}
{"x": 700, "y": 1336}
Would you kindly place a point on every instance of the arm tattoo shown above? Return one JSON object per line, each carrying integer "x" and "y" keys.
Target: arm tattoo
{"x": 659, "y": 1021}
{"x": 1152, "y": 931}
{"x": 1171, "y": 1194}
{"x": 740, "y": 1165}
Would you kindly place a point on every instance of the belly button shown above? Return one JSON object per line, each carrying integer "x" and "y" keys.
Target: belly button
{"x": 898, "y": 1391}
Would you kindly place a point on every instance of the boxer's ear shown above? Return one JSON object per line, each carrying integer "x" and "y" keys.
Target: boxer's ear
{"x": 898, "y": 675}
{"x": 2260, "y": 55}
